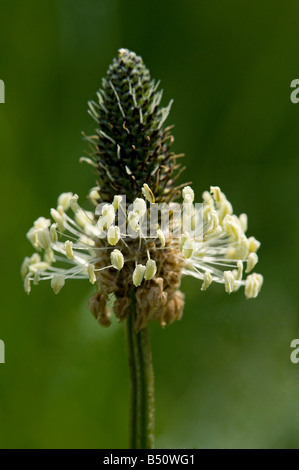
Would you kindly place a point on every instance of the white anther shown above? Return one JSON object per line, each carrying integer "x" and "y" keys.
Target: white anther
{"x": 251, "y": 261}
{"x": 116, "y": 202}
{"x": 49, "y": 256}
{"x": 53, "y": 233}
{"x": 107, "y": 218}
{"x": 216, "y": 193}
{"x": 150, "y": 269}
{"x": 57, "y": 283}
{"x": 253, "y": 285}
{"x": 74, "y": 203}
{"x": 113, "y": 235}
{"x": 133, "y": 221}
{"x": 27, "y": 284}
{"x": 139, "y": 206}
{"x": 64, "y": 200}
{"x": 183, "y": 238}
{"x": 213, "y": 221}
{"x": 24, "y": 267}
{"x": 207, "y": 279}
{"x": 91, "y": 273}
{"x": 243, "y": 219}
{"x": 94, "y": 196}
{"x": 188, "y": 194}
{"x": 254, "y": 244}
{"x": 229, "y": 281}
{"x": 238, "y": 272}
{"x": 214, "y": 234}
{"x": 59, "y": 219}
{"x": 108, "y": 211}
{"x": 138, "y": 274}
{"x": 69, "y": 249}
{"x": 41, "y": 222}
{"x": 161, "y": 236}
{"x": 188, "y": 248}
{"x": 41, "y": 266}
{"x": 43, "y": 238}
{"x": 117, "y": 259}
{"x": 231, "y": 226}
{"x": 148, "y": 194}
{"x": 83, "y": 218}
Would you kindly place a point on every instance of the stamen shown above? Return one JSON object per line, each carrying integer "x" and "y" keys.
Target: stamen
{"x": 148, "y": 194}
{"x": 229, "y": 281}
{"x": 138, "y": 275}
{"x": 57, "y": 283}
{"x": 113, "y": 235}
{"x": 207, "y": 280}
{"x": 150, "y": 269}
{"x": 188, "y": 194}
{"x": 251, "y": 261}
{"x": 91, "y": 273}
{"x": 74, "y": 203}
{"x": 69, "y": 249}
{"x": 53, "y": 233}
{"x": 117, "y": 259}
{"x": 161, "y": 237}
{"x": 58, "y": 219}
{"x": 188, "y": 248}
{"x": 253, "y": 285}
{"x": 64, "y": 200}
{"x": 139, "y": 206}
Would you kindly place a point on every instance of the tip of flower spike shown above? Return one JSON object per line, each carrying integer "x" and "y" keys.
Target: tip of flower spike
{"x": 132, "y": 100}
{"x": 123, "y": 52}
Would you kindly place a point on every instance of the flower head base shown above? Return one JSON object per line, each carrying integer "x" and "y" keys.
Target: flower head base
{"x": 109, "y": 245}
{"x": 149, "y": 265}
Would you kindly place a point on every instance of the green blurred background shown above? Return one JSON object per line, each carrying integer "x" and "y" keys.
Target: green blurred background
{"x": 223, "y": 374}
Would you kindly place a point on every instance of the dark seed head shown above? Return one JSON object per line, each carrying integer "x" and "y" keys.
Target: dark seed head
{"x": 131, "y": 145}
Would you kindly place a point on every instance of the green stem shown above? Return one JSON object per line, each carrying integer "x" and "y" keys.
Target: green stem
{"x": 142, "y": 386}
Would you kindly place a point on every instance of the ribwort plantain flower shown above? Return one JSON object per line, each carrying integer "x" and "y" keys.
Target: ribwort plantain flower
{"x": 108, "y": 245}
{"x": 135, "y": 242}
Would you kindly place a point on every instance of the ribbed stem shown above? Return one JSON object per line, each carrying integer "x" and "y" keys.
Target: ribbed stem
{"x": 142, "y": 386}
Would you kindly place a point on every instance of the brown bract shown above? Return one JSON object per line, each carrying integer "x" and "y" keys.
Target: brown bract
{"x": 157, "y": 299}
